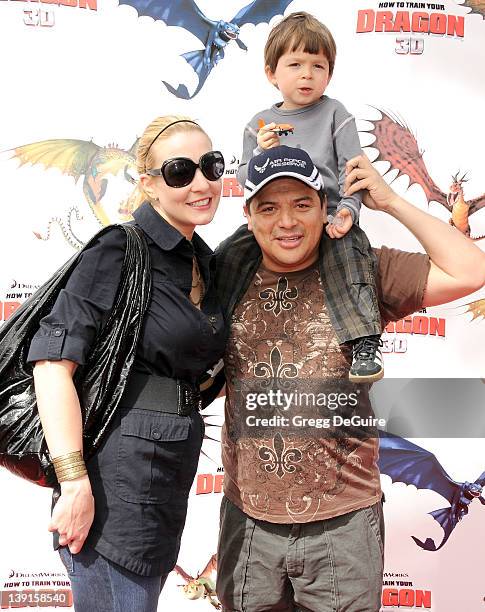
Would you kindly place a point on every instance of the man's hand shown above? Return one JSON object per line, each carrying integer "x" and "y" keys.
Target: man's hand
{"x": 266, "y": 138}
{"x": 74, "y": 513}
{"x": 340, "y": 224}
{"x": 457, "y": 265}
{"x": 361, "y": 174}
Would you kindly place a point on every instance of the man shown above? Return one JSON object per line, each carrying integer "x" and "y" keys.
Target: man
{"x": 301, "y": 520}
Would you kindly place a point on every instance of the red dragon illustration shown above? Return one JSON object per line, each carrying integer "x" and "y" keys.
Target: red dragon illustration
{"x": 397, "y": 144}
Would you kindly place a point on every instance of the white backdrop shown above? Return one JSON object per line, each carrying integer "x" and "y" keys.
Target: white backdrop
{"x": 96, "y": 75}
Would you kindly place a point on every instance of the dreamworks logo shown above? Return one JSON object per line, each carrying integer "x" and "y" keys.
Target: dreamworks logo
{"x": 281, "y": 163}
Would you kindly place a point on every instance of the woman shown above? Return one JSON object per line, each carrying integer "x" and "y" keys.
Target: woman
{"x": 120, "y": 517}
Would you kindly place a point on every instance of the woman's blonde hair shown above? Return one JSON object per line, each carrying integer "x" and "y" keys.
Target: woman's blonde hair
{"x": 144, "y": 149}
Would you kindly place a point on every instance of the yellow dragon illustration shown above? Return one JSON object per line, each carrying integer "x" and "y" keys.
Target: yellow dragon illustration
{"x": 476, "y": 6}
{"x": 203, "y": 586}
{"x": 84, "y": 158}
{"x": 477, "y": 309}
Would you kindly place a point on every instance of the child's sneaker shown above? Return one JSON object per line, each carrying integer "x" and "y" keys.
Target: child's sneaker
{"x": 366, "y": 360}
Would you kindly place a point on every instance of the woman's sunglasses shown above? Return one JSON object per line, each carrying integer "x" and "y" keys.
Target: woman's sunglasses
{"x": 180, "y": 171}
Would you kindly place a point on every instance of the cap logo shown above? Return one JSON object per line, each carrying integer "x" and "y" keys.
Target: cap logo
{"x": 288, "y": 161}
{"x": 279, "y": 162}
{"x": 262, "y": 168}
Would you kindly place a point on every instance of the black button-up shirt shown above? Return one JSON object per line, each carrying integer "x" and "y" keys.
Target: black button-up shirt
{"x": 178, "y": 340}
{"x": 142, "y": 473}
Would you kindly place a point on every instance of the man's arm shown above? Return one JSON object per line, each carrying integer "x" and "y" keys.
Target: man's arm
{"x": 457, "y": 264}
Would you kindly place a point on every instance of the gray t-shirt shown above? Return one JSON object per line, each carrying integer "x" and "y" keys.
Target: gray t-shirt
{"x": 327, "y": 132}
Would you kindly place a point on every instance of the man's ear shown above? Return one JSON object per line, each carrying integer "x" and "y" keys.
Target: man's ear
{"x": 247, "y": 214}
{"x": 324, "y": 209}
{"x": 270, "y": 76}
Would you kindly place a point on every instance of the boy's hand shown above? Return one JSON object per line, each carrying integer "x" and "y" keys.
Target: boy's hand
{"x": 266, "y": 138}
{"x": 340, "y": 224}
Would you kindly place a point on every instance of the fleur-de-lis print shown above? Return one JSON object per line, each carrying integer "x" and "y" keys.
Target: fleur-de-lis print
{"x": 275, "y": 368}
{"x": 279, "y": 460}
{"x": 277, "y": 299}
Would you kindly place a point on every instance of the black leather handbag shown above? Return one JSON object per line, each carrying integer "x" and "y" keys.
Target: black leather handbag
{"x": 100, "y": 382}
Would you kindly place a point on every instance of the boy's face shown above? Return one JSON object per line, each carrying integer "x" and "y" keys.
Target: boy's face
{"x": 301, "y": 77}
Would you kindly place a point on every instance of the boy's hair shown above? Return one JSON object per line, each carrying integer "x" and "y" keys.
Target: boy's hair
{"x": 296, "y": 30}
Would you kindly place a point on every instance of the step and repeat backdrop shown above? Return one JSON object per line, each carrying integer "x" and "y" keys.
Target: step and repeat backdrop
{"x": 82, "y": 78}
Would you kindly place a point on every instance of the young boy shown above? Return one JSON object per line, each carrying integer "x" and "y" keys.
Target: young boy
{"x": 299, "y": 59}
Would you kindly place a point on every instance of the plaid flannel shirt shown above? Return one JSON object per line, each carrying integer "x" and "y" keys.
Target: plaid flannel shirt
{"x": 348, "y": 268}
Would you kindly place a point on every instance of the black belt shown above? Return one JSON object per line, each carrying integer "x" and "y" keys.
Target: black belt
{"x": 161, "y": 393}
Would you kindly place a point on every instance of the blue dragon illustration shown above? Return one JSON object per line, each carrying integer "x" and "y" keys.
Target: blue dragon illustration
{"x": 214, "y": 35}
{"x": 406, "y": 462}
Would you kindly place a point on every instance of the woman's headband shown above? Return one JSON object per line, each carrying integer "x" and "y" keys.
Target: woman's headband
{"x": 166, "y": 128}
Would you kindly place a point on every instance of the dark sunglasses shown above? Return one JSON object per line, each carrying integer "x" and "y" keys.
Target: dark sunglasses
{"x": 180, "y": 171}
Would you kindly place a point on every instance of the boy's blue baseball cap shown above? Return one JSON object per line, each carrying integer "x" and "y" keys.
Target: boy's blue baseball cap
{"x": 278, "y": 162}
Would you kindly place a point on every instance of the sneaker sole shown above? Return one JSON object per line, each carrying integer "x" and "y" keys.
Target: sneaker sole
{"x": 366, "y": 379}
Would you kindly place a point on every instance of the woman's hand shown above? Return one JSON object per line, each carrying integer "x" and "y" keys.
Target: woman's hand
{"x": 266, "y": 138}
{"x": 60, "y": 415}
{"x": 74, "y": 513}
{"x": 361, "y": 174}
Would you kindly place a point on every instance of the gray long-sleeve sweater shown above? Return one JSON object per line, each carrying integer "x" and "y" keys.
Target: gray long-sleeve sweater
{"x": 327, "y": 131}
